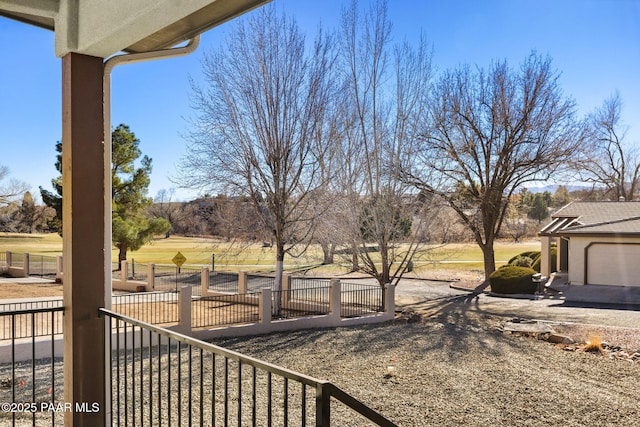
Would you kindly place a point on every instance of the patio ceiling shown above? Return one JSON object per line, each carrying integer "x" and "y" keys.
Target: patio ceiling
{"x": 103, "y": 28}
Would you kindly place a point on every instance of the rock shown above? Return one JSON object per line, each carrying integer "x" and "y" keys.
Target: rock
{"x": 527, "y": 328}
{"x": 560, "y": 339}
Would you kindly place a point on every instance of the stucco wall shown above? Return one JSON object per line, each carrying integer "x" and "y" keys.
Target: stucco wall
{"x": 610, "y": 261}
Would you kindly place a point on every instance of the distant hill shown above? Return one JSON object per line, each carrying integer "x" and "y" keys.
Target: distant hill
{"x": 553, "y": 187}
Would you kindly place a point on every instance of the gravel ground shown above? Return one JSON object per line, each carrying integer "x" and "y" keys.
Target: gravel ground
{"x": 459, "y": 371}
{"x": 452, "y": 366}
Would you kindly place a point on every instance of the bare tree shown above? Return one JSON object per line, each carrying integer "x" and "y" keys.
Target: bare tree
{"x": 612, "y": 163}
{"x": 164, "y": 207}
{"x": 260, "y": 119}
{"x": 383, "y": 85}
{"x": 11, "y": 190}
{"x": 485, "y": 135}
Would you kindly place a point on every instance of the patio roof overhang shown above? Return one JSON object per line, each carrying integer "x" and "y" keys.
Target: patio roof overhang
{"x": 103, "y": 28}
{"x": 87, "y": 32}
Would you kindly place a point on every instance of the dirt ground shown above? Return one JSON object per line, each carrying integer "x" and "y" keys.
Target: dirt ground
{"x": 29, "y": 290}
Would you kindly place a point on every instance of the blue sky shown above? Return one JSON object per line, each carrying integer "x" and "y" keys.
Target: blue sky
{"x": 594, "y": 43}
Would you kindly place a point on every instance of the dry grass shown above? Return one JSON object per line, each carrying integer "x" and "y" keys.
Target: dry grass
{"x": 593, "y": 344}
{"x": 253, "y": 256}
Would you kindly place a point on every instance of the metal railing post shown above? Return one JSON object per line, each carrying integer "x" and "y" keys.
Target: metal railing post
{"x": 323, "y": 405}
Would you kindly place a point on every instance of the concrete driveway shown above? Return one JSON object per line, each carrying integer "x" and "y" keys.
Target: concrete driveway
{"x": 432, "y": 297}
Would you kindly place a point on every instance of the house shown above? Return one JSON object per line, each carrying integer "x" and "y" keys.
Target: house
{"x": 598, "y": 244}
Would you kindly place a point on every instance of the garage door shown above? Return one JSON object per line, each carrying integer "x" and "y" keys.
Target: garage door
{"x": 613, "y": 264}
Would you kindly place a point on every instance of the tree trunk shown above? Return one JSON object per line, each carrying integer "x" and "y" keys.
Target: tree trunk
{"x": 489, "y": 259}
{"x": 386, "y": 268}
{"x": 355, "y": 266}
{"x": 277, "y": 302}
{"x": 122, "y": 254}
{"x": 327, "y": 253}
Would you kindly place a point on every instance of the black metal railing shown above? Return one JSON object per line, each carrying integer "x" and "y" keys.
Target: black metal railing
{"x": 223, "y": 282}
{"x": 302, "y": 283}
{"x": 31, "y": 375}
{"x": 357, "y": 299}
{"x": 17, "y": 260}
{"x": 300, "y": 302}
{"x": 157, "y": 308}
{"x": 42, "y": 266}
{"x": 225, "y": 310}
{"x": 168, "y": 278}
{"x": 160, "y": 378}
{"x": 255, "y": 282}
{"x": 3, "y": 261}
{"x": 138, "y": 271}
{"x": 31, "y": 320}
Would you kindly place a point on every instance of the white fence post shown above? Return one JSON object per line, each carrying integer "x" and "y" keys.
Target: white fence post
{"x": 265, "y": 306}
{"x": 185, "y": 309}
{"x": 151, "y": 276}
{"x": 59, "y": 268}
{"x": 286, "y": 289}
{"x": 335, "y": 289}
{"x": 242, "y": 282}
{"x": 390, "y": 299}
{"x": 124, "y": 272}
{"x": 25, "y": 267}
{"x": 204, "y": 280}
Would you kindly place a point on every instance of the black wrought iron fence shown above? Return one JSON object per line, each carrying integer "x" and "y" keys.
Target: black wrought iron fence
{"x": 31, "y": 375}
{"x": 223, "y": 282}
{"x": 300, "y": 302}
{"x": 27, "y": 319}
{"x": 302, "y": 283}
{"x": 157, "y": 308}
{"x": 3, "y": 260}
{"x": 17, "y": 260}
{"x": 357, "y": 299}
{"x": 42, "y": 266}
{"x": 168, "y": 278}
{"x": 225, "y": 310}
{"x": 255, "y": 282}
{"x": 160, "y": 378}
{"x": 138, "y": 271}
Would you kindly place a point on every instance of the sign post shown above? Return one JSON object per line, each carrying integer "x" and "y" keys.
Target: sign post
{"x": 178, "y": 260}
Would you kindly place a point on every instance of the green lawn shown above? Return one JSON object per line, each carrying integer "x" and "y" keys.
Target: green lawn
{"x": 252, "y": 256}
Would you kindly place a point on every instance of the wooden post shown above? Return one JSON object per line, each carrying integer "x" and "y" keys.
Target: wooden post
{"x": 84, "y": 244}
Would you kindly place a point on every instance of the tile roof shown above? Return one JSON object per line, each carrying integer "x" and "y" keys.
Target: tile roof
{"x": 595, "y": 218}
